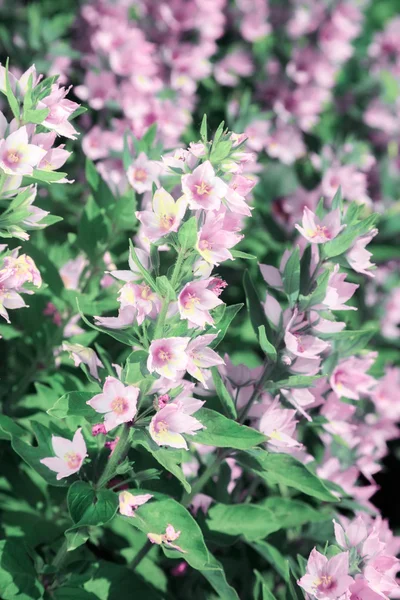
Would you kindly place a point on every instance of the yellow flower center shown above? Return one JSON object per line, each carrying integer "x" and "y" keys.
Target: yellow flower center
{"x": 13, "y": 156}
{"x": 140, "y": 175}
{"x": 146, "y": 292}
{"x": 119, "y": 405}
{"x": 191, "y": 301}
{"x": 72, "y": 459}
{"x": 164, "y": 355}
{"x": 162, "y": 427}
{"x": 166, "y": 221}
{"x": 203, "y": 188}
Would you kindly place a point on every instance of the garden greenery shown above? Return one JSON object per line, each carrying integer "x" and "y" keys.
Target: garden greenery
{"x": 199, "y": 299}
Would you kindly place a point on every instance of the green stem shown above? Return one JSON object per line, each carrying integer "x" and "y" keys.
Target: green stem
{"x": 258, "y": 389}
{"x": 210, "y": 470}
{"x": 177, "y": 269}
{"x": 161, "y": 319}
{"x": 61, "y": 555}
{"x": 120, "y": 451}
{"x": 140, "y": 555}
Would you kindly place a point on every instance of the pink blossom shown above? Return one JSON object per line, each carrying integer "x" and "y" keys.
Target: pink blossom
{"x": 98, "y": 429}
{"x": 201, "y": 502}
{"x": 143, "y": 173}
{"x": 326, "y": 579}
{"x": 17, "y": 155}
{"x": 339, "y": 291}
{"x": 195, "y": 302}
{"x": 279, "y": 425}
{"x": 234, "y": 65}
{"x": 98, "y": 89}
{"x": 117, "y": 402}
{"x": 167, "y": 356}
{"x": 69, "y": 455}
{"x": 302, "y": 344}
{"x": 358, "y": 257}
{"x": 71, "y": 272}
{"x": 385, "y": 394}
{"x": 201, "y": 357}
{"x": 350, "y": 378}
{"x": 165, "y": 217}
{"x": 166, "y": 538}
{"x": 128, "y": 503}
{"x": 319, "y": 231}
{"x": 142, "y": 298}
{"x": 60, "y": 111}
{"x": 126, "y": 317}
{"x": 169, "y": 423}
{"x": 286, "y": 144}
{"x": 203, "y": 189}
{"x": 18, "y": 270}
{"x": 216, "y": 237}
{"x": 81, "y": 354}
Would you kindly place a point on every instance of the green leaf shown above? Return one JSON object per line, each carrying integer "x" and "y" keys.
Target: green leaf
{"x": 215, "y": 575}
{"x": 346, "y": 239}
{"x": 92, "y": 174}
{"x": 18, "y": 578}
{"x": 266, "y": 345}
{"x": 93, "y": 229}
{"x": 274, "y": 557}
{"x": 225, "y": 433}
{"x": 36, "y": 116}
{"x": 223, "y": 394}
{"x": 203, "y": 129}
{"x": 89, "y": 507}
{"x": 47, "y": 176}
{"x": 292, "y": 513}
{"x": 165, "y": 288}
{"x": 286, "y": 470}
{"x": 349, "y": 342}
{"x": 33, "y": 454}
{"x": 266, "y": 593}
{"x": 245, "y": 255}
{"x": 145, "y": 274}
{"x": 76, "y": 538}
{"x": 294, "y": 381}
{"x": 337, "y": 201}
{"x": 318, "y": 294}
{"x": 167, "y": 458}
{"x": 223, "y": 325}
{"x": 291, "y": 277}
{"x": 187, "y": 234}
{"x": 154, "y": 516}
{"x": 253, "y": 303}
{"x": 73, "y": 404}
{"x": 252, "y": 521}
{"x": 12, "y": 101}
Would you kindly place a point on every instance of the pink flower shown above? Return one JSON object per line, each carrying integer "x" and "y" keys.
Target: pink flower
{"x": 167, "y": 356}
{"x": 203, "y": 189}
{"x": 71, "y": 272}
{"x": 141, "y": 298}
{"x": 195, "y": 302}
{"x": 165, "y": 217}
{"x": 319, "y": 231}
{"x": 286, "y": 144}
{"x": 339, "y": 291}
{"x": 81, "y": 354}
{"x": 216, "y": 237}
{"x": 118, "y": 402}
{"x": 69, "y": 455}
{"x": 126, "y": 317}
{"x": 60, "y": 110}
{"x": 17, "y": 155}
{"x": 279, "y": 425}
{"x": 98, "y": 429}
{"x": 169, "y": 423}
{"x": 128, "y": 503}
{"x": 166, "y": 538}
{"x": 98, "y": 89}
{"x": 326, "y": 579}
{"x": 350, "y": 379}
{"x": 18, "y": 270}
{"x": 201, "y": 357}
{"x": 303, "y": 345}
{"x": 358, "y": 257}
{"x": 143, "y": 173}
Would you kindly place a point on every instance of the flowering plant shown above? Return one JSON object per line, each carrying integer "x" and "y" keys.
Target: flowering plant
{"x": 199, "y": 398}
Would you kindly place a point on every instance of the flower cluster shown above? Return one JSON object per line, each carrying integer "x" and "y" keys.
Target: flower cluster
{"x": 40, "y": 112}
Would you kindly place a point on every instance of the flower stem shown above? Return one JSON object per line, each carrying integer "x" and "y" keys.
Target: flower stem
{"x": 61, "y": 554}
{"x": 119, "y": 453}
{"x": 177, "y": 269}
{"x": 204, "y": 477}
{"x": 140, "y": 555}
